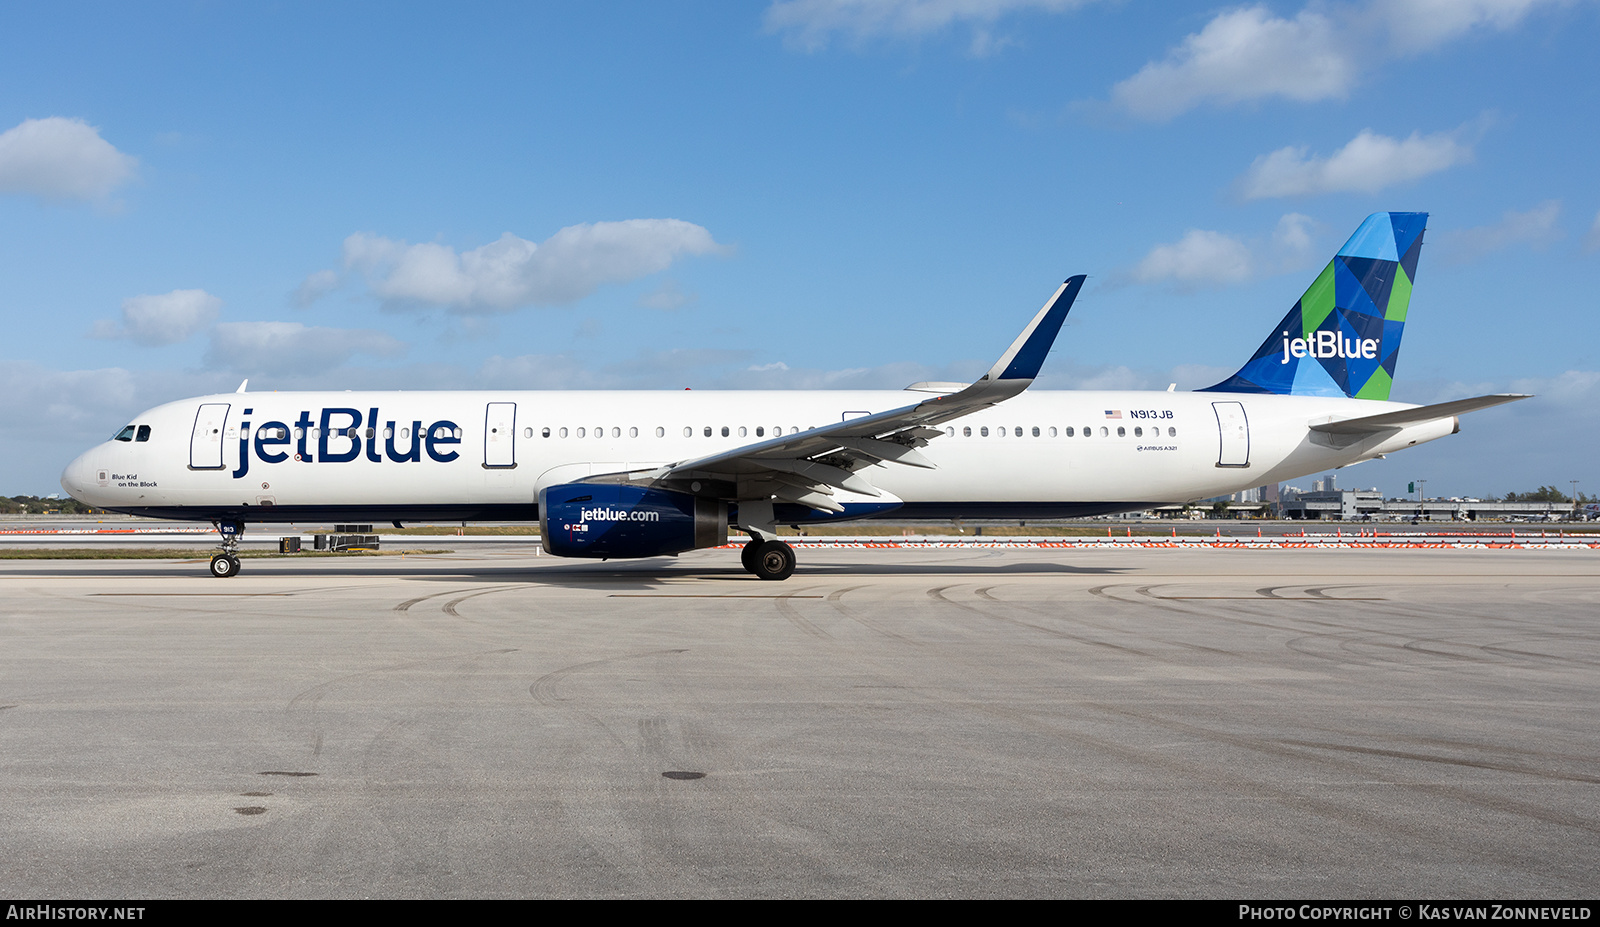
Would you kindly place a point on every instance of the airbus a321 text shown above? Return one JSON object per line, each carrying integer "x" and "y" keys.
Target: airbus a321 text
{"x": 618, "y": 474}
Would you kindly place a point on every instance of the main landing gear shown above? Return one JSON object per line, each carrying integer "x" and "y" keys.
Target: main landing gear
{"x": 769, "y": 559}
{"x": 226, "y": 563}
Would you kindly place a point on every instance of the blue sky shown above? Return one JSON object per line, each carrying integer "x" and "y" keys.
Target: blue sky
{"x": 808, "y": 193}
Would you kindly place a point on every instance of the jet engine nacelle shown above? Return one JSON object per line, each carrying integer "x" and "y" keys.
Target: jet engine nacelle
{"x": 606, "y": 520}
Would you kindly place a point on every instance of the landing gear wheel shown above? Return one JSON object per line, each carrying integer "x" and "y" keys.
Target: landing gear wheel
{"x": 773, "y": 560}
{"x": 747, "y": 555}
{"x": 224, "y": 566}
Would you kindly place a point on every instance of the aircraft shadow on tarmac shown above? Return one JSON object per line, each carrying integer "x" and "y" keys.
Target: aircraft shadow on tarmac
{"x": 609, "y": 577}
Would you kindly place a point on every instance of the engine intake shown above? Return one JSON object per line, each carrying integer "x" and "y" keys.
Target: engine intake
{"x": 611, "y": 520}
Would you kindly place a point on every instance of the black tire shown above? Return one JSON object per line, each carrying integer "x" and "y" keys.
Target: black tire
{"x": 747, "y": 555}
{"x": 773, "y": 560}
{"x": 224, "y": 566}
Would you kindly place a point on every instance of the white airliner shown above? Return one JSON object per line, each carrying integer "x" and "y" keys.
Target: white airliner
{"x": 640, "y": 474}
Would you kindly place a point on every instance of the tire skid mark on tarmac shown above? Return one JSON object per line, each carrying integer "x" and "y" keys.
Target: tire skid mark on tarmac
{"x": 1289, "y": 749}
{"x": 834, "y": 599}
{"x": 938, "y": 592}
{"x": 1360, "y": 820}
{"x": 1356, "y": 644}
{"x": 1520, "y": 768}
{"x": 405, "y": 606}
{"x": 547, "y": 692}
{"x": 309, "y": 701}
{"x": 787, "y": 609}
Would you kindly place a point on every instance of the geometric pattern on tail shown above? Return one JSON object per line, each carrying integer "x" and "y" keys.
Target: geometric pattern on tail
{"x": 1342, "y": 337}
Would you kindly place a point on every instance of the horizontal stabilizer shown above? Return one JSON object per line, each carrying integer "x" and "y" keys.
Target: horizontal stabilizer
{"x": 1372, "y": 424}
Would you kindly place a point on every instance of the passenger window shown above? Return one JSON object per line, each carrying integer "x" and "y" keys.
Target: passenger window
{"x": 1070, "y": 432}
{"x": 1052, "y": 431}
{"x": 760, "y": 431}
{"x": 562, "y": 432}
{"x": 544, "y": 432}
{"x": 1036, "y": 431}
{"x": 599, "y": 432}
{"x": 144, "y": 433}
{"x": 582, "y": 432}
{"x": 1172, "y": 432}
{"x": 951, "y": 432}
{"x": 370, "y": 433}
{"x": 388, "y": 432}
{"x": 616, "y": 432}
{"x": 1138, "y": 432}
{"x": 458, "y": 434}
{"x": 688, "y": 432}
{"x": 633, "y": 432}
{"x": 966, "y": 431}
{"x": 660, "y": 432}
{"x": 1122, "y": 432}
{"x": 708, "y": 431}
{"x": 724, "y": 431}
{"x": 984, "y": 431}
{"x": 743, "y": 431}
{"x": 1019, "y": 431}
{"x": 125, "y": 434}
{"x": 1105, "y": 432}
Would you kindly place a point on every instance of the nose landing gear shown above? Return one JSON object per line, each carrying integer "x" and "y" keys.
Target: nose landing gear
{"x": 226, "y": 563}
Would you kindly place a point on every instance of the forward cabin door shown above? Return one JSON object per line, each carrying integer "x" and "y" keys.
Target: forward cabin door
{"x": 1234, "y": 430}
{"x": 499, "y": 435}
{"x": 205, "y": 443}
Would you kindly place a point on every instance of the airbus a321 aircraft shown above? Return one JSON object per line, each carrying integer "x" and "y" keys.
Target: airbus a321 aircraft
{"x": 619, "y": 474}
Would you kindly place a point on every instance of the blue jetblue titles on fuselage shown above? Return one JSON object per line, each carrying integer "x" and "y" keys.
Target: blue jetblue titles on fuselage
{"x": 339, "y": 440}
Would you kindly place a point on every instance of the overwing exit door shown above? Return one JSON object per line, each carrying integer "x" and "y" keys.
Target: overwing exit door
{"x": 499, "y": 435}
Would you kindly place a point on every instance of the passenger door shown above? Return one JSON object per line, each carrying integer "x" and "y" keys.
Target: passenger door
{"x": 1233, "y": 430}
{"x": 205, "y": 443}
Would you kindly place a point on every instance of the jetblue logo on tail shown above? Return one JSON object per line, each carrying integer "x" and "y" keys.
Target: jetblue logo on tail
{"x": 1328, "y": 344}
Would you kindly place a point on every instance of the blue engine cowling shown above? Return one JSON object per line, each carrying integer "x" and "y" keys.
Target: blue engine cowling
{"x": 611, "y": 520}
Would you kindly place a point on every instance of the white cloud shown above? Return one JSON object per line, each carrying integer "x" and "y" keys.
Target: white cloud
{"x": 669, "y": 295}
{"x": 1367, "y": 164}
{"x": 811, "y": 24}
{"x": 1536, "y": 227}
{"x": 1200, "y": 258}
{"x": 1294, "y": 233}
{"x": 1243, "y": 54}
{"x": 1425, "y": 24}
{"x": 292, "y": 348}
{"x": 314, "y": 287}
{"x": 1321, "y": 53}
{"x": 513, "y": 272}
{"x": 61, "y": 159}
{"x": 156, "y": 320}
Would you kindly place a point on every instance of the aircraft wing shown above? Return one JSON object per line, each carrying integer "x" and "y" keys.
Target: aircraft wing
{"x": 807, "y": 467}
{"x": 1372, "y": 424}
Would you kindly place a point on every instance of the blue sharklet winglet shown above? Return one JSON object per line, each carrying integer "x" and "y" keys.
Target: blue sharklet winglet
{"x": 1026, "y": 355}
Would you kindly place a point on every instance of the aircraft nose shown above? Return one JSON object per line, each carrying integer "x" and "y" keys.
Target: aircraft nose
{"x": 76, "y": 479}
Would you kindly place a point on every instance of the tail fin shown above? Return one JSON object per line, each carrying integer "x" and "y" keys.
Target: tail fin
{"x": 1343, "y": 337}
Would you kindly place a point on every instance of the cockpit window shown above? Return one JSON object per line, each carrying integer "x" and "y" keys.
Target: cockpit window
{"x": 144, "y": 433}
{"x": 125, "y": 434}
